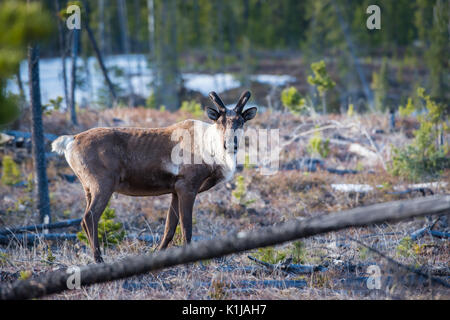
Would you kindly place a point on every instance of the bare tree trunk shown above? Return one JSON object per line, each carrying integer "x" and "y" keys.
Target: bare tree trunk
{"x": 20, "y": 85}
{"x": 167, "y": 79}
{"x": 62, "y": 51}
{"x": 196, "y": 23}
{"x": 151, "y": 25}
{"x": 57, "y": 281}
{"x": 98, "y": 54}
{"x": 246, "y": 47}
{"x": 138, "y": 47}
{"x": 391, "y": 120}
{"x": 123, "y": 22}
{"x": 37, "y": 136}
{"x": 23, "y": 101}
{"x": 151, "y": 42}
{"x": 367, "y": 92}
{"x": 75, "y": 46}
{"x": 101, "y": 25}
{"x": 220, "y": 30}
{"x": 324, "y": 102}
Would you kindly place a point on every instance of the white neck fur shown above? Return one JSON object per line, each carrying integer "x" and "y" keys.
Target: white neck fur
{"x": 212, "y": 149}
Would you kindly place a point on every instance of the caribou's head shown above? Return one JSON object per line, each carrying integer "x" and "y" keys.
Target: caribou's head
{"x": 230, "y": 122}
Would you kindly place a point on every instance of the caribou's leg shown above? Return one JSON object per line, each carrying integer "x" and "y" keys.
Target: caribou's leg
{"x": 87, "y": 194}
{"x": 186, "y": 199}
{"x": 171, "y": 222}
{"x": 99, "y": 201}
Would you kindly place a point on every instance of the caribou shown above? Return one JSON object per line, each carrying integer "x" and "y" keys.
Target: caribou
{"x": 145, "y": 162}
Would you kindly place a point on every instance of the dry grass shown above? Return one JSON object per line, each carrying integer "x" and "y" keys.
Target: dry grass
{"x": 277, "y": 198}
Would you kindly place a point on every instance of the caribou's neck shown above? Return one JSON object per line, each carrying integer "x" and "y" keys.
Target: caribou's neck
{"x": 213, "y": 149}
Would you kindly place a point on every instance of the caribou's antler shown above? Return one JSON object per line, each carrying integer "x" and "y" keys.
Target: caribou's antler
{"x": 242, "y": 101}
{"x": 217, "y": 101}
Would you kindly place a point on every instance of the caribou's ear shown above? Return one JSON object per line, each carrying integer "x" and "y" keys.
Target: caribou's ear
{"x": 249, "y": 114}
{"x": 212, "y": 113}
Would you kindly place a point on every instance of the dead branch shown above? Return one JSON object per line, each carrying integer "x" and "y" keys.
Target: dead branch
{"x": 32, "y": 238}
{"x": 242, "y": 284}
{"x": 54, "y": 282}
{"x": 269, "y": 266}
{"x": 289, "y": 267}
{"x": 419, "y": 233}
{"x": 40, "y": 227}
{"x": 439, "y": 234}
{"x": 401, "y": 265}
{"x": 27, "y": 135}
{"x": 28, "y": 238}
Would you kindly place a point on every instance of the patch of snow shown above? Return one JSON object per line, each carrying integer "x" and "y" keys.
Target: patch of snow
{"x": 52, "y": 84}
{"x": 205, "y": 83}
{"x": 273, "y": 79}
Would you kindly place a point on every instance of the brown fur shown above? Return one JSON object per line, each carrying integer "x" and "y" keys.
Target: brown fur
{"x": 133, "y": 161}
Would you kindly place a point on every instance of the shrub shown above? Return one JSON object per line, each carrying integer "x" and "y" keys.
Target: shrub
{"x": 193, "y": 108}
{"x": 318, "y": 146}
{"x": 292, "y": 100}
{"x": 408, "y": 109}
{"x": 407, "y": 248}
{"x": 427, "y": 155}
{"x": 54, "y": 104}
{"x": 380, "y": 84}
{"x": 321, "y": 80}
{"x": 25, "y": 274}
{"x": 109, "y": 231}
{"x": 295, "y": 251}
{"x": 11, "y": 172}
{"x": 239, "y": 192}
{"x": 150, "y": 103}
{"x": 270, "y": 255}
{"x": 351, "y": 110}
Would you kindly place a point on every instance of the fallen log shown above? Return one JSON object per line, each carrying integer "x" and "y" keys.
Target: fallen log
{"x": 40, "y": 227}
{"x": 57, "y": 281}
{"x": 242, "y": 284}
{"x": 439, "y": 234}
{"x": 278, "y": 284}
{"x": 27, "y": 135}
{"x": 289, "y": 267}
{"x": 341, "y": 171}
{"x": 246, "y": 269}
{"x": 419, "y": 233}
{"x": 409, "y": 280}
{"x": 417, "y": 271}
{"x": 345, "y": 187}
{"x": 423, "y": 191}
{"x": 312, "y": 164}
{"x": 31, "y": 238}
